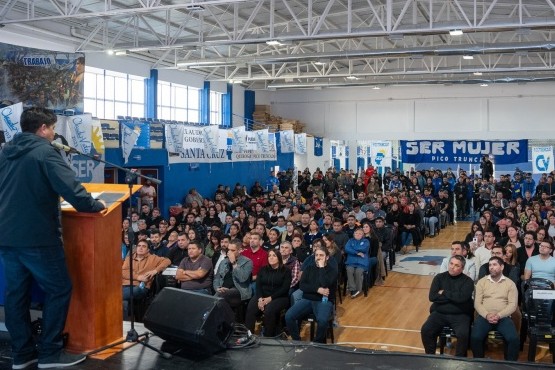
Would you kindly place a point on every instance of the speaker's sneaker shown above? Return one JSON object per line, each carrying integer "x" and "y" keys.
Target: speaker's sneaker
{"x": 63, "y": 359}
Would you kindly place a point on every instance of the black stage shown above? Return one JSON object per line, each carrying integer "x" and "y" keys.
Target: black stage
{"x": 276, "y": 354}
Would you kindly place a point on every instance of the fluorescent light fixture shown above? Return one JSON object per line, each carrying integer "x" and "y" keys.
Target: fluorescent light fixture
{"x": 477, "y": 73}
{"x": 273, "y": 43}
{"x": 484, "y": 84}
{"x": 122, "y": 52}
{"x": 236, "y": 81}
{"x": 468, "y": 57}
{"x": 110, "y": 52}
{"x": 456, "y": 32}
{"x": 352, "y": 78}
{"x": 396, "y": 36}
{"x": 320, "y": 63}
{"x": 195, "y": 8}
{"x": 376, "y": 88}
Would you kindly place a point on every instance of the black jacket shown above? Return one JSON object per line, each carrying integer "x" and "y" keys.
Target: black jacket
{"x": 314, "y": 277}
{"x": 33, "y": 176}
{"x": 456, "y": 297}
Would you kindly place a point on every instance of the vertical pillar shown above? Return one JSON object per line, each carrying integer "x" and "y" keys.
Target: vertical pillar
{"x": 249, "y": 108}
{"x": 151, "y": 94}
{"x": 227, "y": 104}
{"x": 353, "y": 162}
{"x": 205, "y": 104}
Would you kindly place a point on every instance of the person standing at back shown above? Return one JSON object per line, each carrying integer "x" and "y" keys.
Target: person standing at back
{"x": 33, "y": 176}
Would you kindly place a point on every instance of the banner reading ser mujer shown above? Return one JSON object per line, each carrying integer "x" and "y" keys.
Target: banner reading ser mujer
{"x": 463, "y": 151}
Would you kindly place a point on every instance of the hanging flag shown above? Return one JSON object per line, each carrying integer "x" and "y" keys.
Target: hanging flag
{"x": 272, "y": 142}
{"x": 211, "y": 136}
{"x": 129, "y": 136}
{"x": 286, "y": 139}
{"x": 262, "y": 142}
{"x": 174, "y": 138}
{"x": 300, "y": 143}
{"x": 542, "y": 159}
{"x": 239, "y": 139}
{"x": 9, "y": 116}
{"x": 80, "y": 132}
{"x": 381, "y": 153}
{"x": 318, "y": 146}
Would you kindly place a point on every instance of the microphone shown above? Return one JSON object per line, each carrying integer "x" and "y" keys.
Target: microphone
{"x": 63, "y": 147}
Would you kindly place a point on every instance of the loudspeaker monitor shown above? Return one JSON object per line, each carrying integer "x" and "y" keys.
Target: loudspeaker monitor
{"x": 198, "y": 321}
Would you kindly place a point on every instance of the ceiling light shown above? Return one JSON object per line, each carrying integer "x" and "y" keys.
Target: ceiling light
{"x": 484, "y": 84}
{"x": 456, "y": 32}
{"x": 236, "y": 81}
{"x": 477, "y": 73}
{"x": 396, "y": 36}
{"x": 195, "y": 8}
{"x": 320, "y": 63}
{"x": 468, "y": 57}
{"x": 110, "y": 52}
{"x": 122, "y": 52}
{"x": 273, "y": 43}
{"x": 351, "y": 78}
{"x": 376, "y": 88}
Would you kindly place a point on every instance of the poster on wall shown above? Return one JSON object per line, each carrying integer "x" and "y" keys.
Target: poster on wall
{"x": 41, "y": 78}
{"x": 464, "y": 151}
{"x": 542, "y": 159}
{"x": 380, "y": 152}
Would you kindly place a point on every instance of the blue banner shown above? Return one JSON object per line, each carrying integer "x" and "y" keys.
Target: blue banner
{"x": 318, "y": 146}
{"x": 464, "y": 151}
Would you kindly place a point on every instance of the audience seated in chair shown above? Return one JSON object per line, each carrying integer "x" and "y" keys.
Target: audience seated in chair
{"x": 195, "y": 271}
{"x": 145, "y": 268}
{"x": 318, "y": 284}
{"x": 495, "y": 301}
{"x": 233, "y": 277}
{"x": 271, "y": 296}
{"x": 451, "y": 297}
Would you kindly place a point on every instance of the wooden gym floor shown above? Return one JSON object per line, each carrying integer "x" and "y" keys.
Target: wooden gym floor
{"x": 391, "y": 316}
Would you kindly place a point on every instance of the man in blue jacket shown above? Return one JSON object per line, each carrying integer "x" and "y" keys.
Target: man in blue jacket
{"x": 33, "y": 176}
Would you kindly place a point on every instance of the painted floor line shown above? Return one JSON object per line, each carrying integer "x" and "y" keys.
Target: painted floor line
{"x": 379, "y": 328}
{"x": 380, "y": 344}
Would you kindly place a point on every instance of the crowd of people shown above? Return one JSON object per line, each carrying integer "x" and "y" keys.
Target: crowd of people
{"x": 279, "y": 251}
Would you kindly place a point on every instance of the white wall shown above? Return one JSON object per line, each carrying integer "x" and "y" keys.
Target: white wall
{"x": 310, "y": 160}
{"x": 507, "y": 111}
{"x": 238, "y": 105}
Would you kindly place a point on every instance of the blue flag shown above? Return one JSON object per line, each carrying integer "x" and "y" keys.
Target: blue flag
{"x": 318, "y": 146}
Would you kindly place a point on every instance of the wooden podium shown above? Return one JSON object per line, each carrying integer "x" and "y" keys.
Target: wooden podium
{"x": 92, "y": 243}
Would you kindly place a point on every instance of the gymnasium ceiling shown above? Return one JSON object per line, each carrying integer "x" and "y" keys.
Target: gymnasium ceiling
{"x": 277, "y": 44}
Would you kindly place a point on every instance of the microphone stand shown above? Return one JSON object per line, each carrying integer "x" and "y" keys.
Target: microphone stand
{"x": 132, "y": 335}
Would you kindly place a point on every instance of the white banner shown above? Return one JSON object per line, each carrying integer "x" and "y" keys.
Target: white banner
{"x": 80, "y": 131}
{"x": 129, "y": 138}
{"x": 211, "y": 140}
{"x": 300, "y": 143}
{"x": 262, "y": 142}
{"x": 380, "y": 152}
{"x": 542, "y": 159}
{"x": 174, "y": 138}
{"x": 194, "y": 149}
{"x": 9, "y": 116}
{"x": 239, "y": 139}
{"x": 287, "y": 141}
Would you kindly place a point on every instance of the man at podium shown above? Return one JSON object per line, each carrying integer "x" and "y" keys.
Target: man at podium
{"x": 33, "y": 176}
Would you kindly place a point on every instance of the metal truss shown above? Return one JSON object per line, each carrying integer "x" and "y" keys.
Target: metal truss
{"x": 265, "y": 42}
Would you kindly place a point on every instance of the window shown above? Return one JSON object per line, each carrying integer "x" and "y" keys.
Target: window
{"x": 215, "y": 108}
{"x": 178, "y": 102}
{"x": 110, "y": 94}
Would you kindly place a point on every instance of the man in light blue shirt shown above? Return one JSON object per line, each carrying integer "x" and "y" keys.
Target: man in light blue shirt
{"x": 541, "y": 265}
